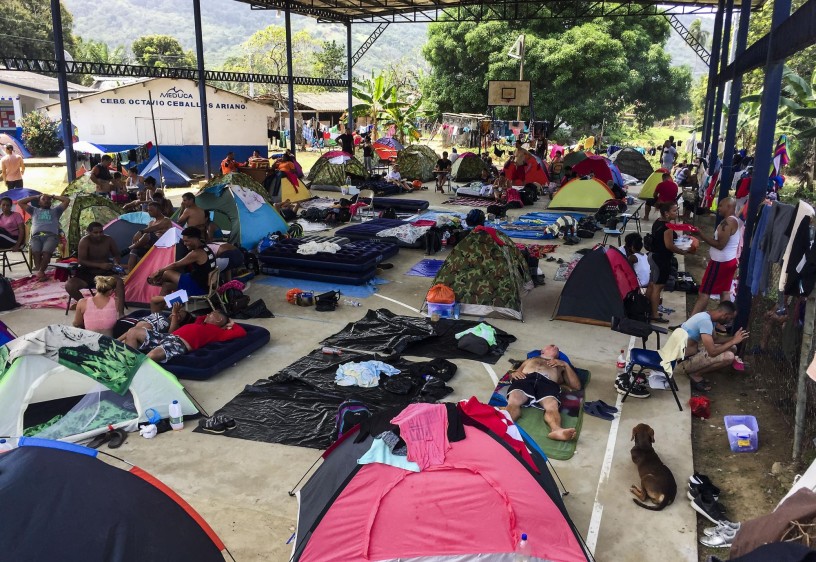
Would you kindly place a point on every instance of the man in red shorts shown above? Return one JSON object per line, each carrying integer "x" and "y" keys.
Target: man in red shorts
{"x": 725, "y": 245}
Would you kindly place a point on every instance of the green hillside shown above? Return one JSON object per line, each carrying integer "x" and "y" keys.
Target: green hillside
{"x": 226, "y": 25}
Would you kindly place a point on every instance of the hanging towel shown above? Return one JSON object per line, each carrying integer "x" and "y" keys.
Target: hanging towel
{"x": 252, "y": 200}
{"x": 675, "y": 348}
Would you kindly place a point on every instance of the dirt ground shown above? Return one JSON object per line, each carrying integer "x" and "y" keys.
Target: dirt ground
{"x": 751, "y": 484}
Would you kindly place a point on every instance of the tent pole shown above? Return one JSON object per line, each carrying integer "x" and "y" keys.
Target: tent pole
{"x": 349, "y": 63}
{"x": 156, "y": 136}
{"x": 62, "y": 79}
{"x": 308, "y": 470}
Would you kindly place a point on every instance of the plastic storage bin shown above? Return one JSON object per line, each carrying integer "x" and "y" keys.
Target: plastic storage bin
{"x": 742, "y": 440}
{"x": 443, "y": 310}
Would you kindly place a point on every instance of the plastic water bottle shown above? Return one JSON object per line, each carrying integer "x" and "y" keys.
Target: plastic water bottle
{"x": 331, "y": 351}
{"x": 176, "y": 417}
{"x": 5, "y": 446}
{"x": 621, "y": 363}
{"x": 523, "y": 553}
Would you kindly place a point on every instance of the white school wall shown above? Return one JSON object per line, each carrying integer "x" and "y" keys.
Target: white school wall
{"x": 119, "y": 119}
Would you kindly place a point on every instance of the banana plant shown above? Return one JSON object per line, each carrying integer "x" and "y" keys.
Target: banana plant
{"x": 374, "y": 94}
{"x": 403, "y": 116}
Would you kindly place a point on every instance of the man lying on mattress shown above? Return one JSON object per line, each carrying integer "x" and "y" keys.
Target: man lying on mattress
{"x": 184, "y": 338}
{"x": 537, "y": 383}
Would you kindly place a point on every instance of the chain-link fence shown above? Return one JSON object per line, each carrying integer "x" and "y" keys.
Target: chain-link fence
{"x": 774, "y": 352}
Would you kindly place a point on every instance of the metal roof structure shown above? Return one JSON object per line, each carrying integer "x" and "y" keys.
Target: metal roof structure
{"x": 412, "y": 11}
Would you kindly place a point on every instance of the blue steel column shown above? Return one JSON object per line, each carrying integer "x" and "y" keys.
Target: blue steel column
{"x": 771, "y": 90}
{"x": 62, "y": 79}
{"x": 202, "y": 88}
{"x": 718, "y": 104}
{"x": 349, "y": 65}
{"x": 734, "y": 104}
{"x": 289, "y": 72}
{"x": 712, "y": 75}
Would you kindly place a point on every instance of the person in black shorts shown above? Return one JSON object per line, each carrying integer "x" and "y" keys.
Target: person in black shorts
{"x": 537, "y": 383}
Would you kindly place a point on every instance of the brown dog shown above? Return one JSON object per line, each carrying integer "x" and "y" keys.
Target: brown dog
{"x": 656, "y": 480}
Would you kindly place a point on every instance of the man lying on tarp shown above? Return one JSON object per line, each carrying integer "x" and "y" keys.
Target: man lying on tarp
{"x": 180, "y": 339}
{"x": 537, "y": 382}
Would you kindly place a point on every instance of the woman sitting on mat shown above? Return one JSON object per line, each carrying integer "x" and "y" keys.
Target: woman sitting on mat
{"x": 98, "y": 313}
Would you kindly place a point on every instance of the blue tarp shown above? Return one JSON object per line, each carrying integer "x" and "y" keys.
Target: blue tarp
{"x": 530, "y": 226}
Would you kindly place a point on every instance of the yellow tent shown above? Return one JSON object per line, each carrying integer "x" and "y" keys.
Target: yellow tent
{"x": 581, "y": 195}
{"x": 648, "y": 189}
{"x": 288, "y": 191}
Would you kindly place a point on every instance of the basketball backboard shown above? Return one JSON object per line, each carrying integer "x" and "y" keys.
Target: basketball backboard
{"x": 508, "y": 93}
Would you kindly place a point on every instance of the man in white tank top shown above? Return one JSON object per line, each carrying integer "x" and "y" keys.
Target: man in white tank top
{"x": 725, "y": 246}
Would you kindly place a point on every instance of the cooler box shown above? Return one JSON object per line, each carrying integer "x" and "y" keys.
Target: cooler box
{"x": 443, "y": 310}
{"x": 743, "y": 433}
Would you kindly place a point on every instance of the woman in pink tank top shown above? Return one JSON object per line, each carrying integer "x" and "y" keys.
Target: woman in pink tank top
{"x": 98, "y": 313}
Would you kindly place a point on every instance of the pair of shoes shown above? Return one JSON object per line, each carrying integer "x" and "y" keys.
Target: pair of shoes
{"x": 600, "y": 409}
{"x": 664, "y": 310}
{"x": 718, "y": 541}
{"x": 721, "y": 536}
{"x": 638, "y": 390}
{"x": 701, "y": 385}
{"x": 695, "y": 490}
{"x": 738, "y": 364}
{"x": 708, "y": 507}
{"x": 114, "y": 438}
{"x": 550, "y": 258}
{"x": 218, "y": 423}
{"x": 723, "y": 527}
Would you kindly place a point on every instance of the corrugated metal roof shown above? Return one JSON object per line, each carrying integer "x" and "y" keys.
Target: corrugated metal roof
{"x": 38, "y": 82}
{"x": 325, "y": 101}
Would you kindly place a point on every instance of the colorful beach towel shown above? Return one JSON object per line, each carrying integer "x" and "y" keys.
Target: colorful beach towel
{"x": 532, "y": 419}
{"x": 470, "y": 202}
{"x": 33, "y": 293}
{"x": 565, "y": 269}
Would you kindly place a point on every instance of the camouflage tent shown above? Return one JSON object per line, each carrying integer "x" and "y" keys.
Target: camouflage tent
{"x": 468, "y": 167}
{"x": 325, "y": 172}
{"x": 632, "y": 162}
{"x": 487, "y": 278}
{"x": 81, "y": 185}
{"x": 417, "y": 162}
{"x": 84, "y": 209}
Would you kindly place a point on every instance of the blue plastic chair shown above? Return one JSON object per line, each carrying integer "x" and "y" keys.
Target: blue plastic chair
{"x": 645, "y": 359}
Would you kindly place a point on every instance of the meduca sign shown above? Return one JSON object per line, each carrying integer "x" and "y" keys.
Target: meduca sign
{"x": 172, "y": 98}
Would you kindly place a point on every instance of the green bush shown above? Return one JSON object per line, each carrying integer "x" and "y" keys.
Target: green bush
{"x": 41, "y": 135}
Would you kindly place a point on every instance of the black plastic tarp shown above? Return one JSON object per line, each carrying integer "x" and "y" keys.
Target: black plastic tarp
{"x": 297, "y": 406}
{"x": 382, "y": 331}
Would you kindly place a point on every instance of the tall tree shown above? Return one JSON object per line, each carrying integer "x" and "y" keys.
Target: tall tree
{"x": 26, "y": 30}
{"x": 161, "y": 51}
{"x": 329, "y": 61}
{"x": 97, "y": 51}
{"x": 580, "y": 75}
{"x": 375, "y": 94}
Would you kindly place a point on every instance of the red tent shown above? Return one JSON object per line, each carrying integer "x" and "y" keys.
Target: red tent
{"x": 594, "y": 164}
{"x": 385, "y": 152}
{"x": 533, "y": 171}
{"x": 163, "y": 253}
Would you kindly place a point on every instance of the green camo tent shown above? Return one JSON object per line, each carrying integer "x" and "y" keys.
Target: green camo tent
{"x": 574, "y": 158}
{"x": 468, "y": 167}
{"x": 487, "y": 278}
{"x": 84, "y": 209}
{"x": 115, "y": 385}
{"x": 333, "y": 167}
{"x": 630, "y": 161}
{"x": 417, "y": 162}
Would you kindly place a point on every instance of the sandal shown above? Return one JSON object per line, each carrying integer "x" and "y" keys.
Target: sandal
{"x": 117, "y": 438}
{"x": 550, "y": 258}
{"x": 701, "y": 385}
{"x": 738, "y": 364}
{"x": 606, "y": 406}
{"x": 660, "y": 320}
{"x": 560, "y": 261}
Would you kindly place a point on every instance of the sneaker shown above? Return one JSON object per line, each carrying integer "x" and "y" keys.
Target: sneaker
{"x": 212, "y": 424}
{"x": 718, "y": 541}
{"x": 705, "y": 505}
{"x": 700, "y": 479}
{"x": 638, "y": 390}
{"x": 723, "y": 527}
{"x": 229, "y": 423}
{"x": 694, "y": 491}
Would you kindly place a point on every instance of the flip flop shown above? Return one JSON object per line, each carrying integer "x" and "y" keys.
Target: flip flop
{"x": 701, "y": 386}
{"x": 100, "y": 440}
{"x": 594, "y": 409}
{"x": 118, "y": 436}
{"x": 550, "y": 258}
{"x": 738, "y": 364}
{"x": 560, "y": 261}
{"x": 606, "y": 406}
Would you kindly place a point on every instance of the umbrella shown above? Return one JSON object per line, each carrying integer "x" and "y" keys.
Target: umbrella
{"x": 87, "y": 148}
{"x": 19, "y": 193}
{"x": 390, "y": 142}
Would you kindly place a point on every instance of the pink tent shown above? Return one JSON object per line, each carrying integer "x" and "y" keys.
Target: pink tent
{"x": 556, "y": 148}
{"x": 163, "y": 252}
{"x": 477, "y": 502}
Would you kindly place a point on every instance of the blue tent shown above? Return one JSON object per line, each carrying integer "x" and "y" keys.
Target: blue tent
{"x": 173, "y": 175}
{"x": 237, "y": 204}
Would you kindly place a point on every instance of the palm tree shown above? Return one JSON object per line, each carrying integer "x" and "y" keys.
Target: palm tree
{"x": 402, "y": 116}
{"x": 375, "y": 94}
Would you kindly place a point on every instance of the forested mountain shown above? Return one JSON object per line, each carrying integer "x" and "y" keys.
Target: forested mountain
{"x": 228, "y": 23}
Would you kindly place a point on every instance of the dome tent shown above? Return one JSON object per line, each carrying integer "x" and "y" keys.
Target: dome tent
{"x": 241, "y": 206}
{"x": 487, "y": 274}
{"x": 581, "y": 195}
{"x": 648, "y": 188}
{"x": 84, "y": 209}
{"x": 417, "y": 162}
{"x": 468, "y": 167}
{"x": 81, "y": 362}
{"x": 333, "y": 167}
{"x": 631, "y": 162}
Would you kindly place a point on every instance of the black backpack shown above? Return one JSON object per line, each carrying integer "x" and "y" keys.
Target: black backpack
{"x": 251, "y": 261}
{"x": 433, "y": 241}
{"x": 313, "y": 214}
{"x": 389, "y": 213}
{"x": 327, "y": 302}
{"x": 7, "y": 300}
{"x": 349, "y": 414}
{"x": 637, "y": 306}
{"x": 475, "y": 217}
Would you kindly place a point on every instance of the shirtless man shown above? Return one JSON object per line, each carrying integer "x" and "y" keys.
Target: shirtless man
{"x": 193, "y": 216}
{"x": 144, "y": 239}
{"x": 97, "y": 255}
{"x": 537, "y": 382}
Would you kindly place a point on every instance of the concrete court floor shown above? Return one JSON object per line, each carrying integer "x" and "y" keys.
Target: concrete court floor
{"x": 240, "y": 487}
